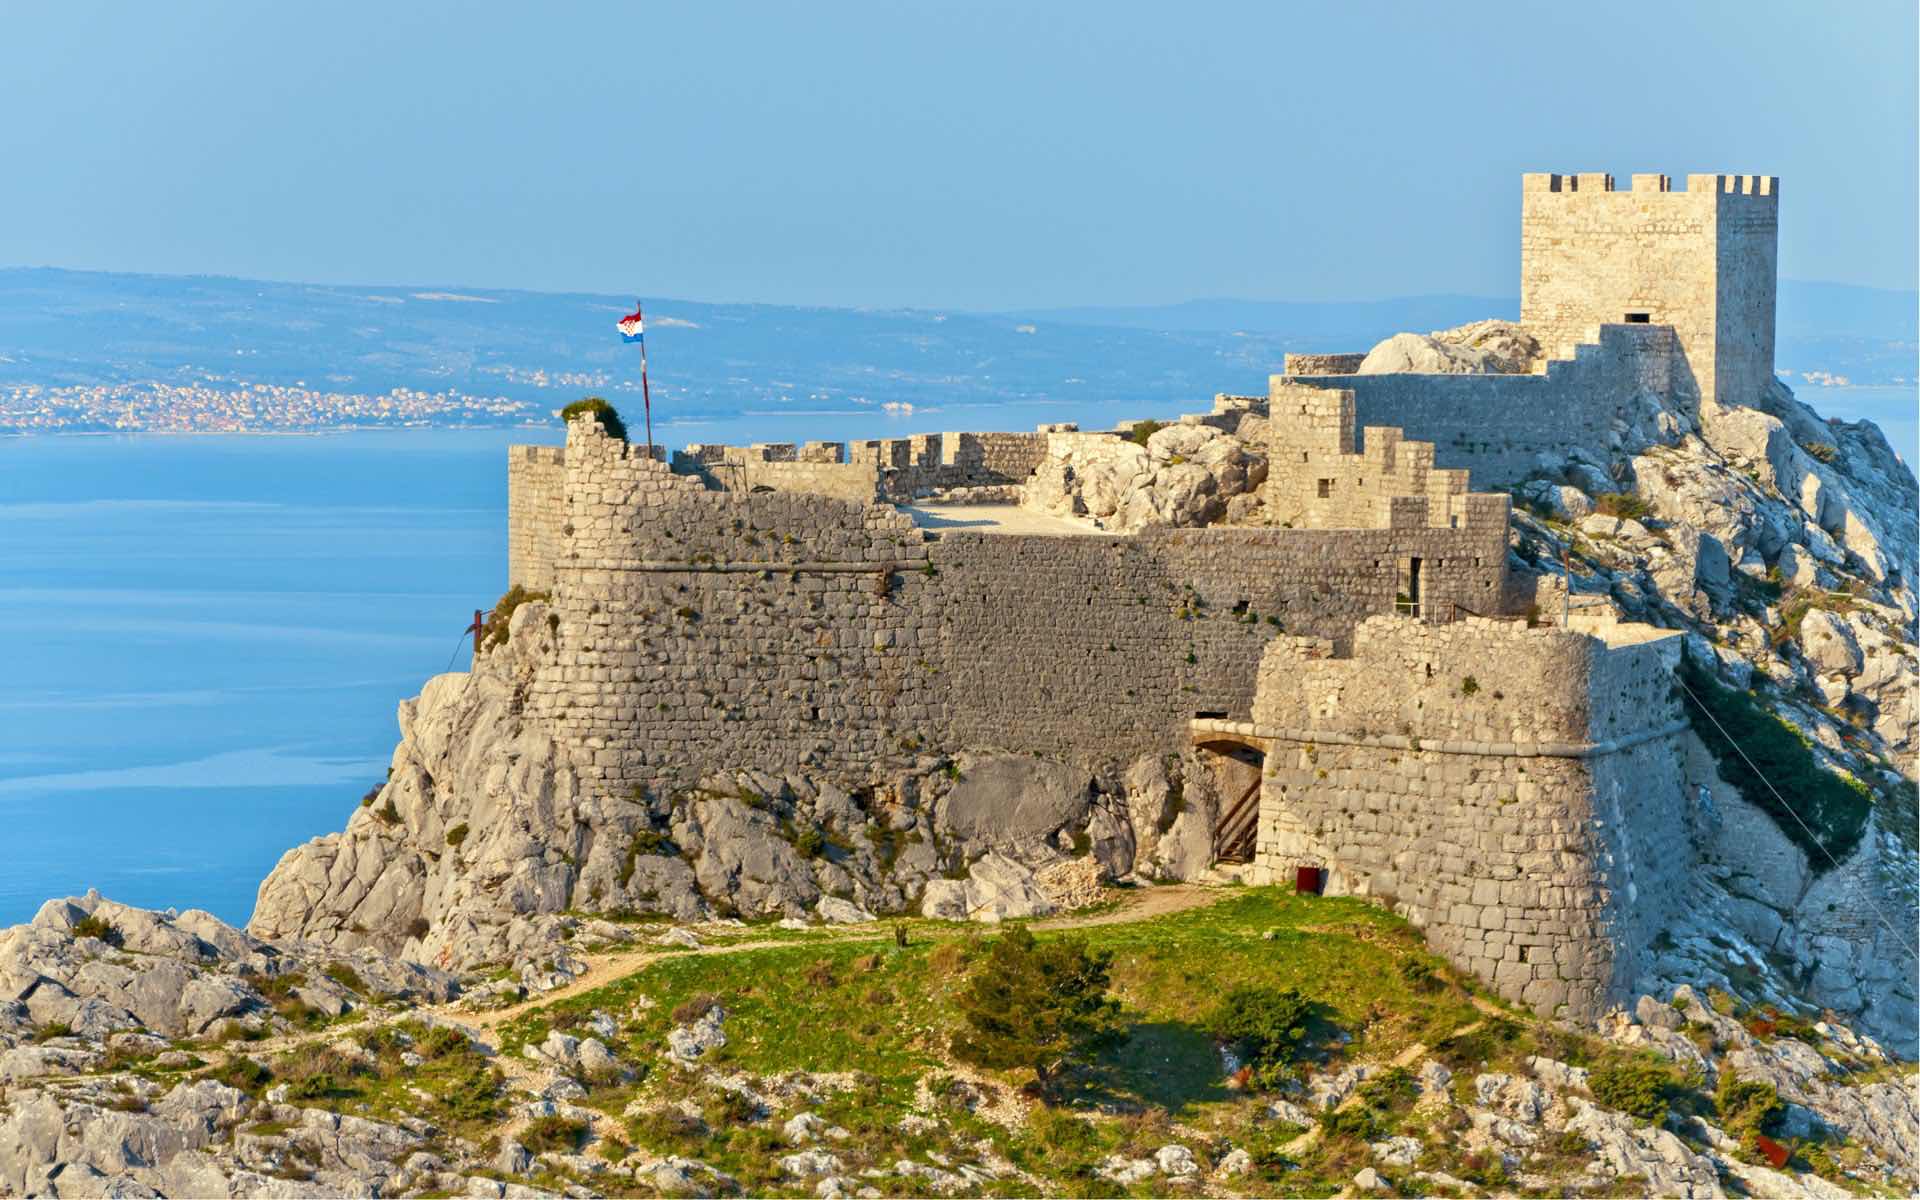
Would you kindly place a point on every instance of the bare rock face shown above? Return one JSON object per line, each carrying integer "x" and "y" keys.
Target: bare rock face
{"x": 1184, "y": 475}
{"x": 93, "y": 969}
{"x": 1007, "y": 799}
{"x": 1482, "y": 348}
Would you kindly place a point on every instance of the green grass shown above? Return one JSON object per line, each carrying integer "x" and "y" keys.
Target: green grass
{"x": 885, "y": 1014}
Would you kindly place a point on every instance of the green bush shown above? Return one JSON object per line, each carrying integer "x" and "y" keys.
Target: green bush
{"x": 1266, "y": 1026}
{"x": 91, "y": 926}
{"x": 1824, "y": 813}
{"x": 1747, "y": 1107}
{"x": 493, "y": 631}
{"x": 1142, "y": 430}
{"x": 1638, "y": 1088}
{"x": 1826, "y": 452}
{"x": 457, "y": 834}
{"x": 1038, "y": 1006}
{"x": 606, "y": 414}
{"x": 1357, "y": 1122}
{"x": 1621, "y": 504}
{"x": 553, "y": 1134}
{"x": 346, "y": 977}
{"x": 242, "y": 1073}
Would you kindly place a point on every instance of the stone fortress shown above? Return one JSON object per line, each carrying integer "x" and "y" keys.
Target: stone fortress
{"x": 1341, "y": 614}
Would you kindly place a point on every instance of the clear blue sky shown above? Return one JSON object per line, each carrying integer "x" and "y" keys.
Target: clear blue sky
{"x": 977, "y": 155}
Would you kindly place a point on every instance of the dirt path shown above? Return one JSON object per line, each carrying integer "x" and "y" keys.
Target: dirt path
{"x": 604, "y": 969}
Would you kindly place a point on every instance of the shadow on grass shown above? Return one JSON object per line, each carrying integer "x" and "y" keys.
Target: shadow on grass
{"x": 1164, "y": 1064}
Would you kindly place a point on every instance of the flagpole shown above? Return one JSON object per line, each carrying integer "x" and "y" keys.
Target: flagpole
{"x": 646, "y": 396}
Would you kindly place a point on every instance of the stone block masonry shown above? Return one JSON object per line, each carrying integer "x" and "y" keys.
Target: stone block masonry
{"x": 1501, "y": 427}
{"x": 1514, "y": 792}
{"x": 704, "y": 629}
{"x": 1703, "y": 260}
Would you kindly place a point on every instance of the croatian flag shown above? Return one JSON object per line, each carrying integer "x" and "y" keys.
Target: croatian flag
{"x": 631, "y": 329}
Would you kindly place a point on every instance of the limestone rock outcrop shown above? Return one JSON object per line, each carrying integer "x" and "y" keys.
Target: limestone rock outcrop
{"x": 86, "y": 970}
{"x": 1481, "y": 348}
{"x": 1182, "y": 475}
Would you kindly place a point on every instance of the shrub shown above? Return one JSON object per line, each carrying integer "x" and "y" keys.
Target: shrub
{"x": 51, "y": 1030}
{"x": 1142, "y": 430}
{"x": 691, "y": 1010}
{"x": 317, "y": 1073}
{"x": 1621, "y": 504}
{"x": 1638, "y": 1088}
{"x": 440, "y": 1041}
{"x": 1826, "y": 452}
{"x": 604, "y": 413}
{"x": 493, "y": 631}
{"x": 388, "y": 814}
{"x": 553, "y": 1134}
{"x": 457, "y": 834}
{"x": 242, "y": 1073}
{"x": 1356, "y": 1122}
{"x": 346, "y": 977}
{"x": 1469, "y": 686}
{"x": 1266, "y": 1026}
{"x": 1035, "y": 1006}
{"x": 417, "y": 928}
{"x": 92, "y": 926}
{"x": 1748, "y": 1108}
{"x": 1826, "y": 813}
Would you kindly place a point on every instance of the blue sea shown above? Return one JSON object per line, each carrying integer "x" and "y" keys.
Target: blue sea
{"x": 205, "y": 637}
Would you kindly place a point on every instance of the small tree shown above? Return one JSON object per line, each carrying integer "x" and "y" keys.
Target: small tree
{"x": 1266, "y": 1026}
{"x": 605, "y": 413}
{"x": 1038, "y": 1006}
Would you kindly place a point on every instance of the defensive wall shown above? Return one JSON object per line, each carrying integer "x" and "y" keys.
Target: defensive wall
{"x": 703, "y": 629}
{"x": 1517, "y": 793}
{"x": 1500, "y": 427}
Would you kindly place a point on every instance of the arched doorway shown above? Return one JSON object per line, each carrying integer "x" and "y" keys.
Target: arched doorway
{"x": 1237, "y": 763}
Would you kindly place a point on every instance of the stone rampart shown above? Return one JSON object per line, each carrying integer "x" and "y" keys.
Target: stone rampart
{"x": 1499, "y": 426}
{"x": 536, "y": 513}
{"x": 704, "y": 629}
{"x": 896, "y": 470}
{"x": 1514, "y": 792}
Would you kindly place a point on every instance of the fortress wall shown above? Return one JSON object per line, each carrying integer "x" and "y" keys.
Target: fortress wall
{"x": 1643, "y": 822}
{"x": 1748, "y": 268}
{"x": 1322, "y": 364}
{"x": 1497, "y": 426}
{"x": 1486, "y": 816}
{"x": 536, "y": 512}
{"x": 896, "y": 470}
{"x": 703, "y": 629}
{"x": 1104, "y": 647}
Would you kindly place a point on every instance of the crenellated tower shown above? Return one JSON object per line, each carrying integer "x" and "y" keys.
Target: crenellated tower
{"x": 1703, "y": 260}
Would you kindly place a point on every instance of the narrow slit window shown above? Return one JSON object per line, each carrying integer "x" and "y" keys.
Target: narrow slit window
{"x": 1639, "y": 318}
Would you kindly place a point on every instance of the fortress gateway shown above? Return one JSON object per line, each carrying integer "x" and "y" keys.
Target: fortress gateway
{"x": 1352, "y": 627}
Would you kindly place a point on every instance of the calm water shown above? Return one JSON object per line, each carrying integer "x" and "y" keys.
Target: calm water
{"x": 206, "y": 637}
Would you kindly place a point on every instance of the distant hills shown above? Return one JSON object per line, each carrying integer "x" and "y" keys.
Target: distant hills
{"x": 82, "y": 330}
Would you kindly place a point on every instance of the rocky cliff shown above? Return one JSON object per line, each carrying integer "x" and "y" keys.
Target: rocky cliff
{"x": 480, "y": 837}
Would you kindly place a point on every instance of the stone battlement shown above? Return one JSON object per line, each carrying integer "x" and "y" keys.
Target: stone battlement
{"x": 1697, "y": 185}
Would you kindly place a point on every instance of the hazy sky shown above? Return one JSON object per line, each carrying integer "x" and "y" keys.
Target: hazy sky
{"x": 979, "y": 155}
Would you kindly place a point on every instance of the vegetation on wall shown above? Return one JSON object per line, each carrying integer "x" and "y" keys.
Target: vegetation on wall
{"x": 1821, "y": 812}
{"x": 606, "y": 414}
{"x": 493, "y": 631}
